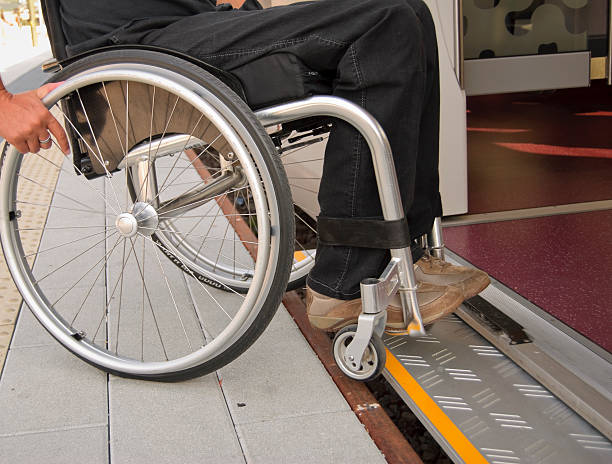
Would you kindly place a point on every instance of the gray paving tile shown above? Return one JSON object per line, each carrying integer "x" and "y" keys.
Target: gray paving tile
{"x": 184, "y": 422}
{"x": 44, "y": 388}
{"x": 279, "y": 376}
{"x": 65, "y": 266}
{"x": 333, "y": 438}
{"x": 282, "y": 320}
{"x": 29, "y": 332}
{"x": 170, "y": 320}
{"x": 87, "y": 317}
{"x": 89, "y": 444}
{"x": 86, "y": 191}
{"x": 208, "y": 300}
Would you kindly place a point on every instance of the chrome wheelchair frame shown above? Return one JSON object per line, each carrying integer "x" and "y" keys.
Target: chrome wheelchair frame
{"x": 352, "y": 345}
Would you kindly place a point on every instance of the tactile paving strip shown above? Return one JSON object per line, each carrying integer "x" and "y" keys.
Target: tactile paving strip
{"x": 33, "y": 217}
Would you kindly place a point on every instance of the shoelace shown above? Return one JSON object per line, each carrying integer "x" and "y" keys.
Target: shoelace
{"x": 435, "y": 261}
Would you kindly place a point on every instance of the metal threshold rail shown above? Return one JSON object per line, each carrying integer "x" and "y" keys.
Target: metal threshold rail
{"x": 571, "y": 367}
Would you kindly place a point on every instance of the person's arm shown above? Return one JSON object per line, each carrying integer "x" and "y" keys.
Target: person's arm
{"x": 25, "y": 122}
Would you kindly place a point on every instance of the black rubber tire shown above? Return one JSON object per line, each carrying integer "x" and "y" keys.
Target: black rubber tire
{"x": 296, "y": 284}
{"x": 282, "y": 192}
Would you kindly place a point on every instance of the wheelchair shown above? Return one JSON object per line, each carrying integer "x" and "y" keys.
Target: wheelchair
{"x": 175, "y": 192}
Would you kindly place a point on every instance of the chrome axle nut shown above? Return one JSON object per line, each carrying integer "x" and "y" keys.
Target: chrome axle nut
{"x": 126, "y": 224}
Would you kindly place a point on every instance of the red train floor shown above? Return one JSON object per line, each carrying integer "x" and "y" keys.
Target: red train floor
{"x": 560, "y": 263}
{"x": 539, "y": 149}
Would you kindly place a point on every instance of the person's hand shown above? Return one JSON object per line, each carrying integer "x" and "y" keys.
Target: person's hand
{"x": 25, "y": 122}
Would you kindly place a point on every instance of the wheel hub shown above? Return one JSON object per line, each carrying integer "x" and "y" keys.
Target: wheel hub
{"x": 142, "y": 219}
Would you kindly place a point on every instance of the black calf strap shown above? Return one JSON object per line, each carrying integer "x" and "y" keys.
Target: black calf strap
{"x": 363, "y": 233}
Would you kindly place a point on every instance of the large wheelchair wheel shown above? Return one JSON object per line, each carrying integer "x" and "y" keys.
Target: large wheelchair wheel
{"x": 168, "y": 154}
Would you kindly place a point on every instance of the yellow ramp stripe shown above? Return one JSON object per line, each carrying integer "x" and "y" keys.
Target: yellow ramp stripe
{"x": 458, "y": 441}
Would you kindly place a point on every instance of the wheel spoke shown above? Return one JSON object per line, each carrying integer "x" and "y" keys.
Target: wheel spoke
{"x": 208, "y": 231}
{"x": 190, "y": 272}
{"x": 82, "y": 277}
{"x": 81, "y": 176}
{"x": 303, "y": 161}
{"x": 98, "y": 156}
{"x": 72, "y": 259}
{"x": 124, "y": 261}
{"x": 178, "y": 157}
{"x": 102, "y": 268}
{"x": 54, "y": 191}
{"x": 197, "y": 224}
{"x": 305, "y": 223}
{"x": 221, "y": 246}
{"x": 144, "y": 182}
{"x": 112, "y": 113}
{"x": 88, "y": 211}
{"x": 160, "y": 141}
{"x": 173, "y": 218}
{"x": 63, "y": 244}
{"x": 172, "y": 296}
{"x": 165, "y": 187}
{"x": 63, "y": 228}
{"x": 145, "y": 291}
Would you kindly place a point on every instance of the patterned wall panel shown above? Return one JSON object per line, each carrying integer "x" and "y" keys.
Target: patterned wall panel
{"x": 495, "y": 28}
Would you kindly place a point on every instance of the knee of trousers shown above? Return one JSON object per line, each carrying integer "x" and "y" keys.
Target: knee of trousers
{"x": 402, "y": 18}
{"x": 397, "y": 15}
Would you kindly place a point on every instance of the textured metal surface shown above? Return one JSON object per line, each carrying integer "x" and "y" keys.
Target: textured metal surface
{"x": 507, "y": 415}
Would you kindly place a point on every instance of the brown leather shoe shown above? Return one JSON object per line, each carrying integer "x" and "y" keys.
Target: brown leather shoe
{"x": 435, "y": 301}
{"x": 469, "y": 281}
{"x": 331, "y": 314}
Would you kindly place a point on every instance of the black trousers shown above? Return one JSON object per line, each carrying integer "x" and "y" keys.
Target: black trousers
{"x": 379, "y": 54}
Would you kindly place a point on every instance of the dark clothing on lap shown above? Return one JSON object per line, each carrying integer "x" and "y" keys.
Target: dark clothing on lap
{"x": 87, "y": 24}
{"x": 379, "y": 54}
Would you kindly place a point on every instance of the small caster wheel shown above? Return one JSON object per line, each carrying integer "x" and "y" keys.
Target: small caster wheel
{"x": 372, "y": 362}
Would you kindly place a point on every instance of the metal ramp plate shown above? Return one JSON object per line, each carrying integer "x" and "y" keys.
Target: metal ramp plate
{"x": 480, "y": 406}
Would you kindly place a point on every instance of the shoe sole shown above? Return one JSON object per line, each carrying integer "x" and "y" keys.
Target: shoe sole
{"x": 333, "y": 324}
{"x": 330, "y": 324}
{"x": 485, "y": 284}
{"x": 428, "y": 319}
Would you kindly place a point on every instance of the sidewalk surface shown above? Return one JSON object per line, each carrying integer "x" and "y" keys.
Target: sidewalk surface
{"x": 274, "y": 404}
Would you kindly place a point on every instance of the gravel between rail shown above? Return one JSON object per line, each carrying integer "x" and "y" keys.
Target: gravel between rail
{"x": 413, "y": 430}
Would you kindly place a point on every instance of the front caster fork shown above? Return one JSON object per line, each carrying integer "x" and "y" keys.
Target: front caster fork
{"x": 358, "y": 349}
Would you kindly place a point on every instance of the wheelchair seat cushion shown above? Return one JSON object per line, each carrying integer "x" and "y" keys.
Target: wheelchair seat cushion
{"x": 278, "y": 78}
